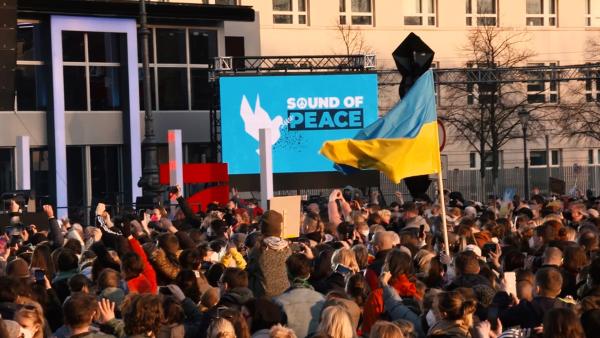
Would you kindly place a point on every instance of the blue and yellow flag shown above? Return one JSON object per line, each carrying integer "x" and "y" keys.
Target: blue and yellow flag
{"x": 401, "y": 144}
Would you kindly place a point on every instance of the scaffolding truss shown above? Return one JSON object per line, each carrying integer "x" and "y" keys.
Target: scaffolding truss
{"x": 490, "y": 76}
{"x": 265, "y": 65}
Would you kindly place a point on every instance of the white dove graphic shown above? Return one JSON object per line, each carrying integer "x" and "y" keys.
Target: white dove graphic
{"x": 258, "y": 119}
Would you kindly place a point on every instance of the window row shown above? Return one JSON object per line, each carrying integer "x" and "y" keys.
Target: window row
{"x": 537, "y": 158}
{"x": 423, "y": 12}
{"x": 173, "y": 45}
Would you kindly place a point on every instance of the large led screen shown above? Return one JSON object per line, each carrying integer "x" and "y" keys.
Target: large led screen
{"x": 302, "y": 111}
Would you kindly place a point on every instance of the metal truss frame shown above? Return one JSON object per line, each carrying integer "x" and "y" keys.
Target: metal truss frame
{"x": 264, "y": 65}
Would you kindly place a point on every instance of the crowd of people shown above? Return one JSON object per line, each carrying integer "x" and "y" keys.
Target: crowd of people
{"x": 359, "y": 268}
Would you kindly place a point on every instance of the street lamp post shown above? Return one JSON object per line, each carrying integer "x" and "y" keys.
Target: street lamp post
{"x": 524, "y": 118}
{"x": 149, "y": 182}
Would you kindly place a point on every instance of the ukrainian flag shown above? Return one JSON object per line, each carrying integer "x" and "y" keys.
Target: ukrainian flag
{"x": 401, "y": 144}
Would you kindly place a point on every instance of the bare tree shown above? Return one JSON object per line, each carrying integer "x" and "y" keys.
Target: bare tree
{"x": 353, "y": 40}
{"x": 484, "y": 114}
{"x": 583, "y": 119}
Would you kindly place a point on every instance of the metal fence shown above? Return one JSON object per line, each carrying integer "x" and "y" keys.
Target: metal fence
{"x": 469, "y": 182}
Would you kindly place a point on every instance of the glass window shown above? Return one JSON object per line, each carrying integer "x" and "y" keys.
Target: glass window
{"x": 40, "y": 178}
{"x": 591, "y": 156}
{"x": 152, "y": 89}
{"x": 170, "y": 45}
{"x": 7, "y": 175}
{"x": 30, "y": 42}
{"x": 538, "y": 158}
{"x": 73, "y": 46}
{"x": 201, "y": 91}
{"x": 544, "y": 89}
{"x": 104, "y": 88}
{"x": 541, "y": 13}
{"x": 280, "y": 18}
{"x": 203, "y": 46}
{"x": 284, "y": 11}
{"x": 481, "y": 12}
{"x": 172, "y": 89}
{"x": 282, "y": 5}
{"x": 419, "y": 12}
{"x": 104, "y": 47}
{"x": 360, "y": 12}
{"x": 472, "y": 160}
{"x": 31, "y": 86}
{"x": 106, "y": 172}
{"x": 150, "y": 47}
{"x": 75, "y": 88}
{"x": 555, "y": 157}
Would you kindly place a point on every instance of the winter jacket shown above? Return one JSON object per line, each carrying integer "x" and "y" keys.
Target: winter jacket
{"x": 171, "y": 331}
{"x": 449, "y": 329}
{"x": 374, "y": 269}
{"x": 530, "y": 314}
{"x": 60, "y": 284}
{"x": 302, "y": 306}
{"x": 236, "y": 297}
{"x": 166, "y": 268}
{"x": 267, "y": 273}
{"x": 403, "y": 308}
{"x": 468, "y": 281}
{"x": 92, "y": 334}
{"x": 234, "y": 259}
{"x": 335, "y": 281}
{"x": 146, "y": 281}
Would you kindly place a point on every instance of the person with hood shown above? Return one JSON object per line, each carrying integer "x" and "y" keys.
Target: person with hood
{"x": 233, "y": 286}
{"x": 398, "y": 267}
{"x": 266, "y": 262}
{"x": 301, "y": 303}
{"x": 457, "y": 316}
{"x": 68, "y": 266}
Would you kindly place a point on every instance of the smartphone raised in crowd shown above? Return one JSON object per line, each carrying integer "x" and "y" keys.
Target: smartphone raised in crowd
{"x": 39, "y": 275}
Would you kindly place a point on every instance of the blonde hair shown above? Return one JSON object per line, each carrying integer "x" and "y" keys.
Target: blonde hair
{"x": 383, "y": 329}
{"x": 278, "y": 331}
{"x": 345, "y": 257}
{"x": 335, "y": 322}
{"x": 221, "y": 328}
{"x": 34, "y": 312}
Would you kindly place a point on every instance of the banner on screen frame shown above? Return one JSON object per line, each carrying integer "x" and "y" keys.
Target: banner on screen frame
{"x": 302, "y": 111}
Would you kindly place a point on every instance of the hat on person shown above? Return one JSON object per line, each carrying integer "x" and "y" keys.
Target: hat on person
{"x": 473, "y": 248}
{"x": 271, "y": 223}
{"x": 18, "y": 268}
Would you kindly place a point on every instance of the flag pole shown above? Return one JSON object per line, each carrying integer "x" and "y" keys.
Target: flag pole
{"x": 443, "y": 207}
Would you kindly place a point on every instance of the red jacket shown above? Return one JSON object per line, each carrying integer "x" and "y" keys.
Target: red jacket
{"x": 146, "y": 281}
{"x": 374, "y": 305}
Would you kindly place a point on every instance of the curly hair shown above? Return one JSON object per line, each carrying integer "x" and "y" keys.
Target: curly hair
{"x": 142, "y": 313}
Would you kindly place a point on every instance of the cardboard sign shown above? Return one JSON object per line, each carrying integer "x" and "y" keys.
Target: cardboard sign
{"x": 290, "y": 207}
{"x": 558, "y": 187}
{"x": 510, "y": 278}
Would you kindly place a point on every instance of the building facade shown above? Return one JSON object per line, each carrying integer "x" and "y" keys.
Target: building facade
{"x": 79, "y": 99}
{"x": 187, "y": 34}
{"x": 557, "y": 32}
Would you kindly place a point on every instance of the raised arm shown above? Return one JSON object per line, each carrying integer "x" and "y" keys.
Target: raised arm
{"x": 55, "y": 235}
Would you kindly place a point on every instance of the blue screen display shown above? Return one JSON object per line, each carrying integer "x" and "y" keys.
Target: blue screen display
{"x": 302, "y": 111}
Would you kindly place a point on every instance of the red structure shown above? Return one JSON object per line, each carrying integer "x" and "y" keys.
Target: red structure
{"x": 215, "y": 174}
